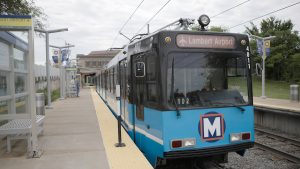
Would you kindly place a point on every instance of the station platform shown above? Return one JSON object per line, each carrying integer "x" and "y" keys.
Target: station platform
{"x": 79, "y": 133}
{"x": 279, "y": 104}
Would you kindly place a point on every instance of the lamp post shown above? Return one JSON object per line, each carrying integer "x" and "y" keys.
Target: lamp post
{"x": 61, "y": 70}
{"x": 264, "y": 56}
{"x": 47, "y": 32}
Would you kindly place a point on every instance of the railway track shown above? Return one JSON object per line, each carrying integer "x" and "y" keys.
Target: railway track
{"x": 283, "y": 154}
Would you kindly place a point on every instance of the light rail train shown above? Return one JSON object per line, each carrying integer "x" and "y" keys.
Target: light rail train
{"x": 183, "y": 93}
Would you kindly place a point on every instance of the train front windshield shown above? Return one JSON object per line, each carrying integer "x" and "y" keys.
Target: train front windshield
{"x": 207, "y": 80}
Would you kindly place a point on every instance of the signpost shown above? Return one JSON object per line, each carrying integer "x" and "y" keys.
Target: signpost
{"x": 263, "y": 49}
{"x": 61, "y": 68}
{"x": 25, "y": 23}
{"x": 47, "y": 32}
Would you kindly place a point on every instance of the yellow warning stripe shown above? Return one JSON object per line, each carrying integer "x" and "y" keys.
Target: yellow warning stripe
{"x": 128, "y": 157}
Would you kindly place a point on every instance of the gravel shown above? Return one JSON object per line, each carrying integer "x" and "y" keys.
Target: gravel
{"x": 258, "y": 159}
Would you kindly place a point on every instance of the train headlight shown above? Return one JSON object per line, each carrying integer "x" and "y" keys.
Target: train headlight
{"x": 235, "y": 137}
{"x": 240, "y": 136}
{"x": 203, "y": 20}
{"x": 189, "y": 142}
{"x": 181, "y": 143}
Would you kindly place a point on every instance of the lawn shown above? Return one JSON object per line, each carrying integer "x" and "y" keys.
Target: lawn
{"x": 273, "y": 89}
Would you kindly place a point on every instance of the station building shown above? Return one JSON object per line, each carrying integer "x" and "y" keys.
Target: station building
{"x": 89, "y": 65}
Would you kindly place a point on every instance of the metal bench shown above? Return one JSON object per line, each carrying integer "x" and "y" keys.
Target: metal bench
{"x": 20, "y": 129}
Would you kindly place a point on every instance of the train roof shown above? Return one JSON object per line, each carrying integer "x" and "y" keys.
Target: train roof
{"x": 120, "y": 56}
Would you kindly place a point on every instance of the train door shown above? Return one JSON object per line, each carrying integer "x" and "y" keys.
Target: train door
{"x": 138, "y": 75}
{"x": 123, "y": 86}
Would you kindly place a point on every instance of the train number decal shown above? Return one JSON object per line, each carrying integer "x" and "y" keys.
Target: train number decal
{"x": 212, "y": 127}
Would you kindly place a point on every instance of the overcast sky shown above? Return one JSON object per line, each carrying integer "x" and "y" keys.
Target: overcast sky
{"x": 93, "y": 24}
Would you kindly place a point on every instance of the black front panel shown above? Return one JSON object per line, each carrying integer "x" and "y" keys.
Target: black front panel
{"x": 208, "y": 151}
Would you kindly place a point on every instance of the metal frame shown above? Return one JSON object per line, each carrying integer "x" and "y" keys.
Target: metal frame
{"x": 29, "y": 90}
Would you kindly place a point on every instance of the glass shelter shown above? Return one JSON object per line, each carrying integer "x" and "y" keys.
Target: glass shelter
{"x": 18, "y": 119}
{"x": 13, "y": 77}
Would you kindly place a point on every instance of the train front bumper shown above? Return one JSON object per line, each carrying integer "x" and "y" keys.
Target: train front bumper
{"x": 210, "y": 151}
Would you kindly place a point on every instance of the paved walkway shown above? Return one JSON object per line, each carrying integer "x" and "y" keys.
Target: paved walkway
{"x": 277, "y": 103}
{"x": 71, "y": 140}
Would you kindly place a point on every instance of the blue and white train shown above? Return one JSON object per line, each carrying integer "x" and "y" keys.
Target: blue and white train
{"x": 184, "y": 94}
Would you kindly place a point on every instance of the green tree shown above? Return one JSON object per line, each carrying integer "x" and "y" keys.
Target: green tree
{"x": 196, "y": 27}
{"x": 218, "y": 29}
{"x": 280, "y": 65}
{"x": 23, "y": 7}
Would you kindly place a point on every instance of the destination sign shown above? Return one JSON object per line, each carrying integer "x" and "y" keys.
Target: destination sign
{"x": 205, "y": 41}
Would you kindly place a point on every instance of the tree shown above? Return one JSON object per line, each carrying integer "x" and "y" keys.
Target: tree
{"x": 284, "y": 48}
{"x": 218, "y": 29}
{"x": 23, "y": 7}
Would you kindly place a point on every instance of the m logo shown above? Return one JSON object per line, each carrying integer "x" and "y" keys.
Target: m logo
{"x": 211, "y": 126}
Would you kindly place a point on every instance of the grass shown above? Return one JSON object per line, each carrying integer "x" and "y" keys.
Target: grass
{"x": 273, "y": 89}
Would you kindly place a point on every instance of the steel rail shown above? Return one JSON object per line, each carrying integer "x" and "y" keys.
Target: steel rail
{"x": 280, "y": 153}
{"x": 277, "y": 136}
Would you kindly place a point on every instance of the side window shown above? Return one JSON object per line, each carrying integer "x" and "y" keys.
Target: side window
{"x": 151, "y": 82}
{"x": 140, "y": 69}
{"x": 113, "y": 80}
{"x": 116, "y": 77}
{"x": 110, "y": 82}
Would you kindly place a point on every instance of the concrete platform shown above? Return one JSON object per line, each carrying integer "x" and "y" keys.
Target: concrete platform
{"x": 72, "y": 139}
{"x": 277, "y": 104}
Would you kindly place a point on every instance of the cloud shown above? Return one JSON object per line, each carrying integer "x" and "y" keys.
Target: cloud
{"x": 93, "y": 24}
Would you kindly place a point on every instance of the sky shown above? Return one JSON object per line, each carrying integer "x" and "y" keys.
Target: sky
{"x": 94, "y": 24}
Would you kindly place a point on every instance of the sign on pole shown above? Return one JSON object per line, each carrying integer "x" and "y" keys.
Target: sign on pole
{"x": 15, "y": 22}
{"x": 64, "y": 56}
{"x": 259, "y": 44}
{"x": 55, "y": 56}
{"x": 267, "y": 47}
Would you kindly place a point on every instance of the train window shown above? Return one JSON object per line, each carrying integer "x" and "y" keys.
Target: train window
{"x": 151, "y": 83}
{"x": 235, "y": 67}
{"x": 140, "y": 69}
{"x": 113, "y": 81}
{"x": 202, "y": 79}
{"x": 116, "y": 78}
{"x": 110, "y": 81}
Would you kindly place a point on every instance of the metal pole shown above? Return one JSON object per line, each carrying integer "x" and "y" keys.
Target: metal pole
{"x": 263, "y": 72}
{"x": 48, "y": 71}
{"x": 263, "y": 81}
{"x": 264, "y": 56}
{"x": 61, "y": 76}
{"x": 118, "y": 98}
{"x": 31, "y": 96}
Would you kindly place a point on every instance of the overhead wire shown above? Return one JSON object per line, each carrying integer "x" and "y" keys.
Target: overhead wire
{"x": 230, "y": 8}
{"x": 125, "y": 23}
{"x": 153, "y": 16}
{"x": 265, "y": 14}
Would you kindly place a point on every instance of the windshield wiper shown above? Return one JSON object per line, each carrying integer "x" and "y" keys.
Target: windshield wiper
{"x": 232, "y": 104}
{"x": 178, "y": 114}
